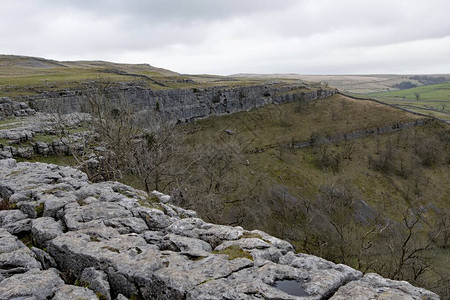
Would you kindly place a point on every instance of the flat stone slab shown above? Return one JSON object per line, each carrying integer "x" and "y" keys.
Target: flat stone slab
{"x": 373, "y": 286}
{"x": 40, "y": 284}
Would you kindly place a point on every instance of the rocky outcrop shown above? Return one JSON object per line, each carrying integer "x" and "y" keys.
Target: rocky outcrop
{"x": 13, "y": 108}
{"x": 20, "y": 137}
{"x": 184, "y": 105}
{"x": 109, "y": 241}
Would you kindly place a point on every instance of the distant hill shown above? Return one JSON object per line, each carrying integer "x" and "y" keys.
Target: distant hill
{"x": 358, "y": 84}
{"x": 22, "y": 76}
{"x": 32, "y": 65}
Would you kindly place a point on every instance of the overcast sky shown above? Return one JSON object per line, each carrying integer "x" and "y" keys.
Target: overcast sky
{"x": 236, "y": 36}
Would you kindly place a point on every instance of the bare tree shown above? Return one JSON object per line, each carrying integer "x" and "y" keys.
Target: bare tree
{"x": 417, "y": 96}
{"x": 153, "y": 158}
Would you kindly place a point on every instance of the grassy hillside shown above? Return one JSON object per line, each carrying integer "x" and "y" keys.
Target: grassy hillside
{"x": 262, "y": 134}
{"x": 20, "y": 76}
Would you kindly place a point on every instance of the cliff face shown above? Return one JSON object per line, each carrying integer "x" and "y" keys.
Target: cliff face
{"x": 108, "y": 240}
{"x": 184, "y": 105}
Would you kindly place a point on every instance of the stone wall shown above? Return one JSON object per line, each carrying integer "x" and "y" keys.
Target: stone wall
{"x": 109, "y": 241}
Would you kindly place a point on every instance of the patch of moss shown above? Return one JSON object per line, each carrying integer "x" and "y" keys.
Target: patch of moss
{"x": 112, "y": 249}
{"x": 249, "y": 235}
{"x": 52, "y": 190}
{"x": 100, "y": 296}
{"x": 134, "y": 297}
{"x": 78, "y": 282}
{"x": 151, "y": 202}
{"x": 205, "y": 281}
{"x": 39, "y": 209}
{"x": 45, "y": 138}
{"x": 234, "y": 252}
{"x": 94, "y": 239}
{"x": 27, "y": 240}
{"x": 5, "y": 204}
{"x": 14, "y": 173}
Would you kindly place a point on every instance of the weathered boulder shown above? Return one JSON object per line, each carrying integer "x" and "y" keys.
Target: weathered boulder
{"x": 15, "y": 257}
{"x": 44, "y": 230}
{"x": 35, "y": 283}
{"x": 15, "y": 221}
{"x": 18, "y": 261}
{"x": 185, "y": 245}
{"x": 373, "y": 286}
{"x": 78, "y": 217}
{"x": 70, "y": 292}
{"x": 9, "y": 242}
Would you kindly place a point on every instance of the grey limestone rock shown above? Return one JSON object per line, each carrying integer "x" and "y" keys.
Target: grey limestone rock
{"x": 11, "y": 216}
{"x": 183, "y": 213}
{"x": 122, "y": 249}
{"x": 54, "y": 204}
{"x": 155, "y": 218}
{"x": 211, "y": 233}
{"x": 15, "y": 221}
{"x": 71, "y": 292}
{"x": 162, "y": 197}
{"x": 176, "y": 281}
{"x": 185, "y": 245}
{"x": 121, "y": 297}
{"x": 127, "y": 225}
{"x": 8, "y": 242}
{"x": 92, "y": 215}
{"x": 186, "y": 105}
{"x": 40, "y": 284}
{"x": 97, "y": 281}
{"x": 245, "y": 243}
{"x": 15, "y": 257}
{"x": 153, "y": 237}
{"x": 45, "y": 229}
{"x": 373, "y": 286}
{"x": 125, "y": 258}
{"x": 18, "y": 261}
{"x": 284, "y": 246}
{"x": 44, "y": 258}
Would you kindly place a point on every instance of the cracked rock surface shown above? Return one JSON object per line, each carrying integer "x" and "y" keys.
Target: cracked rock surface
{"x": 67, "y": 238}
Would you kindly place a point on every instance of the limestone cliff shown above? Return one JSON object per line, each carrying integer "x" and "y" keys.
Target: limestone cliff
{"x": 110, "y": 241}
{"x": 184, "y": 105}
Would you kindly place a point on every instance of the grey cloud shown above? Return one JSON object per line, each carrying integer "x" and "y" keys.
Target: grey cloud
{"x": 230, "y": 36}
{"x": 173, "y": 10}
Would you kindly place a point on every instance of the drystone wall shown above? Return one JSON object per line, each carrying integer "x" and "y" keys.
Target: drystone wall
{"x": 109, "y": 241}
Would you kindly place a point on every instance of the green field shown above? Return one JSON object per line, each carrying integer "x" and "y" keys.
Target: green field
{"x": 434, "y": 100}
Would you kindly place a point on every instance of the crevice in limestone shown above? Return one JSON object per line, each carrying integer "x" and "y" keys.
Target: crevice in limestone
{"x": 333, "y": 291}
